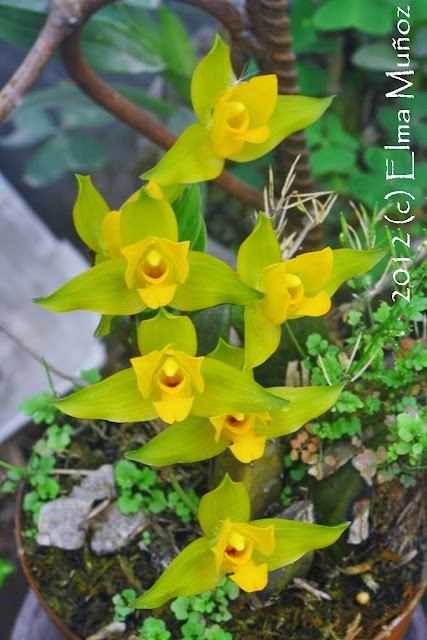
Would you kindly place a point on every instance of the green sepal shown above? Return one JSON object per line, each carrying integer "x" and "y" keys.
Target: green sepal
{"x": 212, "y": 75}
{"x": 262, "y": 337}
{"x": 211, "y": 282}
{"x": 291, "y": 114}
{"x": 116, "y": 398}
{"x": 305, "y": 403}
{"x": 166, "y": 329}
{"x": 89, "y": 211}
{"x": 143, "y": 216}
{"x": 191, "y": 440}
{"x": 348, "y": 263}
{"x": 228, "y": 391}
{"x": 294, "y": 539}
{"x": 229, "y": 500}
{"x": 101, "y": 289}
{"x": 233, "y": 356}
{"x": 104, "y": 326}
{"x": 191, "y": 159}
{"x": 192, "y": 572}
{"x": 260, "y": 249}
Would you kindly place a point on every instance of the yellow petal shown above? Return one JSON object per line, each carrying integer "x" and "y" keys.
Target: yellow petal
{"x": 153, "y": 190}
{"x": 248, "y": 447}
{"x": 262, "y": 537}
{"x": 193, "y": 367}
{"x": 157, "y": 295}
{"x": 230, "y": 120}
{"x": 313, "y": 306}
{"x": 274, "y": 284}
{"x": 251, "y": 577}
{"x": 173, "y": 409}
{"x": 259, "y": 96}
{"x": 313, "y": 268}
{"x": 145, "y": 368}
{"x": 256, "y": 135}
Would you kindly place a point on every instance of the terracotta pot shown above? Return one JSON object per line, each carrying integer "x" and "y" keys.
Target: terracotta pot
{"x": 393, "y": 631}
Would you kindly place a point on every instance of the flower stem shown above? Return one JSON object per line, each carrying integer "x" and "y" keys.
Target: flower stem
{"x": 180, "y": 491}
{"x": 294, "y": 340}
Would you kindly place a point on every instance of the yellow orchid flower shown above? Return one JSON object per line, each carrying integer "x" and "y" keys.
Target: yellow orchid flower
{"x": 170, "y": 379}
{"x": 237, "y": 120}
{"x": 141, "y": 259}
{"x": 301, "y": 286}
{"x": 232, "y": 544}
{"x": 239, "y": 428}
{"x": 234, "y": 553}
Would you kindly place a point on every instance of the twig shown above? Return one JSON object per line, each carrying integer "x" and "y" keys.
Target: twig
{"x": 74, "y": 379}
{"x": 302, "y": 584}
{"x": 63, "y": 17}
{"x": 139, "y": 119}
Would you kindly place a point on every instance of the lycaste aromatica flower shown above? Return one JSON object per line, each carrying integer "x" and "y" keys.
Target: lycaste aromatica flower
{"x": 244, "y": 432}
{"x": 140, "y": 262}
{"x": 170, "y": 382}
{"x": 301, "y": 286}
{"x": 238, "y": 120}
{"x": 232, "y": 544}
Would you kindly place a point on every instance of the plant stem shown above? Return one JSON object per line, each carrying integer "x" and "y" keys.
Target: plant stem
{"x": 11, "y": 467}
{"x": 180, "y": 491}
{"x": 294, "y": 340}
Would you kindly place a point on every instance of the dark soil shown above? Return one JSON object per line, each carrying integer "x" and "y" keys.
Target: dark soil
{"x": 79, "y": 586}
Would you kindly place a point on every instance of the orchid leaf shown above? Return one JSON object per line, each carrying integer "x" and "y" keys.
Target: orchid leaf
{"x": 191, "y": 572}
{"x": 305, "y": 403}
{"x": 260, "y": 249}
{"x": 88, "y": 213}
{"x": 292, "y": 113}
{"x": 166, "y": 329}
{"x": 212, "y": 75}
{"x": 143, "y": 216}
{"x": 348, "y": 263}
{"x": 228, "y": 390}
{"x": 191, "y": 159}
{"x": 101, "y": 289}
{"x": 211, "y": 282}
{"x": 188, "y": 441}
{"x": 294, "y": 539}
{"x": 191, "y": 225}
{"x": 116, "y": 398}
{"x": 229, "y": 500}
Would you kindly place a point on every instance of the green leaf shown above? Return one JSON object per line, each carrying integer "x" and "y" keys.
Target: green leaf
{"x": 116, "y": 399}
{"x": 6, "y": 570}
{"x": 349, "y": 263}
{"x": 20, "y": 26}
{"x": 229, "y": 500}
{"x": 305, "y": 403}
{"x": 311, "y": 78}
{"x": 377, "y": 56}
{"x": 176, "y": 47}
{"x": 367, "y": 16}
{"x": 260, "y": 249}
{"x": 294, "y": 539}
{"x": 89, "y": 211}
{"x": 228, "y": 390}
{"x": 189, "y": 215}
{"x": 211, "y": 282}
{"x": 65, "y": 152}
{"x": 29, "y": 128}
{"x": 191, "y": 572}
{"x": 211, "y": 325}
{"x": 143, "y": 99}
{"x": 101, "y": 289}
{"x": 234, "y": 356}
{"x": 128, "y": 55}
{"x": 166, "y": 329}
{"x": 332, "y": 159}
{"x": 188, "y": 441}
